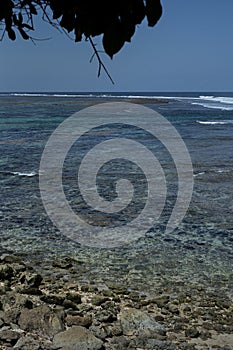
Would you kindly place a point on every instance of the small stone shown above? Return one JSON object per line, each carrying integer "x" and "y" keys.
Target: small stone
{"x": 77, "y": 338}
{"x": 105, "y": 316}
{"x": 173, "y": 309}
{"x": 78, "y": 321}
{"x": 68, "y": 304}
{"x": 34, "y": 280}
{"x": 133, "y": 321}
{"x": 74, "y": 297}
{"x": 99, "y": 331}
{"x": 187, "y": 308}
{"x": 115, "y": 329}
{"x": 118, "y": 343}
{"x": 98, "y": 300}
{"x": 192, "y": 333}
{"x": 162, "y": 301}
{"x": 10, "y": 259}
{"x": 9, "y": 335}
{"x": 27, "y": 343}
{"x": 53, "y": 299}
{"x": 63, "y": 264}
{"x": 6, "y": 272}
{"x": 107, "y": 293}
{"x": 88, "y": 288}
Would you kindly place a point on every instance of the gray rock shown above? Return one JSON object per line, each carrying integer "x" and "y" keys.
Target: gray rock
{"x": 42, "y": 320}
{"x": 30, "y": 283}
{"x": 74, "y": 297}
{"x": 6, "y": 272}
{"x": 33, "y": 342}
{"x": 27, "y": 343}
{"x": 12, "y": 304}
{"x": 133, "y": 321}
{"x": 77, "y": 338}
{"x": 77, "y": 320}
{"x": 192, "y": 332}
{"x": 9, "y": 335}
{"x": 105, "y": 316}
{"x": 97, "y": 300}
{"x": 99, "y": 331}
{"x": 151, "y": 344}
{"x": 53, "y": 299}
{"x": 173, "y": 309}
{"x": 117, "y": 343}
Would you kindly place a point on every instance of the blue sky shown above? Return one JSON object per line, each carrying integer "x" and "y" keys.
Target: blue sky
{"x": 190, "y": 49}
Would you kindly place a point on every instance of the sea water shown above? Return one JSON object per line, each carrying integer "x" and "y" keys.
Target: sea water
{"x": 198, "y": 251}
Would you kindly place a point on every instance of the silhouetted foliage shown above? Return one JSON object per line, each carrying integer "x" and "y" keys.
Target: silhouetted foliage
{"x": 116, "y": 21}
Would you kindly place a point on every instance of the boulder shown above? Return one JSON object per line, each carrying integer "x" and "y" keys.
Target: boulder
{"x": 133, "y": 321}
{"x": 42, "y": 320}
{"x": 77, "y": 338}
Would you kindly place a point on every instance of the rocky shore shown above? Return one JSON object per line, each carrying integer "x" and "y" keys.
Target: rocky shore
{"x": 45, "y": 310}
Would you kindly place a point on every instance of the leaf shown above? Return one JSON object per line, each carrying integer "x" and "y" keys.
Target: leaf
{"x": 68, "y": 21}
{"x": 113, "y": 39}
{"x": 128, "y": 28}
{"x": 153, "y": 11}
{"x": 32, "y": 9}
{"x": 11, "y": 34}
{"x": 57, "y": 8}
{"x": 138, "y": 11}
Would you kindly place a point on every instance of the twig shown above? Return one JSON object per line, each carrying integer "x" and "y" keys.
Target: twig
{"x": 100, "y": 62}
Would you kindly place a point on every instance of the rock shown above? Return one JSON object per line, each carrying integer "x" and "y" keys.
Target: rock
{"x": 53, "y": 299}
{"x": 98, "y": 300}
{"x": 9, "y": 335}
{"x": 33, "y": 280}
{"x": 88, "y": 288}
{"x": 33, "y": 342}
{"x": 173, "y": 309}
{"x": 192, "y": 333}
{"x": 30, "y": 283}
{"x": 68, "y": 304}
{"x": 42, "y": 320}
{"x": 6, "y": 272}
{"x": 10, "y": 259}
{"x": 63, "y": 264}
{"x": 99, "y": 331}
{"x": 162, "y": 301}
{"x": 27, "y": 343}
{"x": 12, "y": 304}
{"x": 74, "y": 297}
{"x": 134, "y": 320}
{"x": 151, "y": 344}
{"x": 105, "y": 316}
{"x": 118, "y": 343}
{"x": 115, "y": 329}
{"x": 78, "y": 321}
{"x": 77, "y": 338}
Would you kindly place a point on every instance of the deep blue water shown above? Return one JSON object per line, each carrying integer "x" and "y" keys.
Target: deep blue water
{"x": 199, "y": 250}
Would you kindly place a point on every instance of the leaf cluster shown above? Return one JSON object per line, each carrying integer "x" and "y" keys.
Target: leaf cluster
{"x": 115, "y": 20}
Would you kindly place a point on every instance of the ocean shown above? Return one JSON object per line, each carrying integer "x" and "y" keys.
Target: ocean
{"x": 198, "y": 252}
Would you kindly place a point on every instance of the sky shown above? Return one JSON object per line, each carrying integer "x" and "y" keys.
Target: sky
{"x": 190, "y": 49}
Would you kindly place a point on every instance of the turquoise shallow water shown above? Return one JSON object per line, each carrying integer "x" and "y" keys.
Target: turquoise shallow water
{"x": 199, "y": 251}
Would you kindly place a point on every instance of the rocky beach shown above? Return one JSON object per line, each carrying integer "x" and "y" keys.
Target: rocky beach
{"x": 47, "y": 309}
